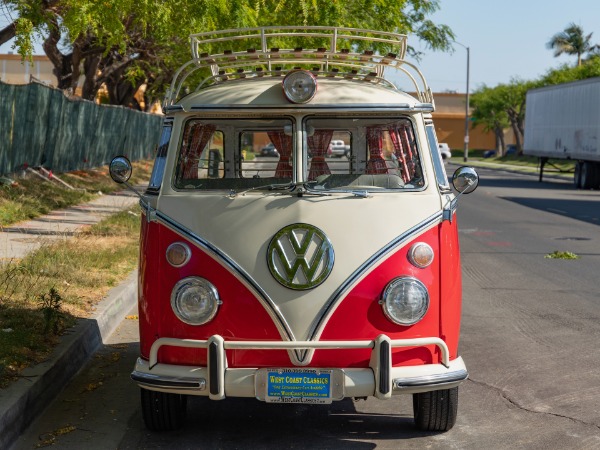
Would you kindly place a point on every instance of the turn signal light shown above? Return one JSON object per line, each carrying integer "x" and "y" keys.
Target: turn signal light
{"x": 420, "y": 255}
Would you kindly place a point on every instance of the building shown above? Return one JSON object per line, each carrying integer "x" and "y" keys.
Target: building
{"x": 449, "y": 119}
{"x": 15, "y": 71}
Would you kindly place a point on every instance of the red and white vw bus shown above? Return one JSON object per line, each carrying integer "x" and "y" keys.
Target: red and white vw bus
{"x": 271, "y": 269}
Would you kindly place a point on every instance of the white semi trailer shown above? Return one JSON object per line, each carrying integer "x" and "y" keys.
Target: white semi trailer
{"x": 563, "y": 122}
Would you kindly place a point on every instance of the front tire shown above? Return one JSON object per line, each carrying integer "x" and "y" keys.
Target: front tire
{"x": 435, "y": 410}
{"x": 162, "y": 411}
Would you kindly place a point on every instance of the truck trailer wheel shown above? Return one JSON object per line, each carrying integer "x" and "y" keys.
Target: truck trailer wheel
{"x": 163, "y": 412}
{"x": 435, "y": 410}
{"x": 589, "y": 175}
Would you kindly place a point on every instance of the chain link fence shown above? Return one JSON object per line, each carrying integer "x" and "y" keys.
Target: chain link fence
{"x": 40, "y": 126}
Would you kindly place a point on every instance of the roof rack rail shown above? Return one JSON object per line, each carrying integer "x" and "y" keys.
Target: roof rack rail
{"x": 347, "y": 53}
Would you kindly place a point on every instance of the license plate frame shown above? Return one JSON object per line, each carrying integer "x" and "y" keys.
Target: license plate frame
{"x": 299, "y": 385}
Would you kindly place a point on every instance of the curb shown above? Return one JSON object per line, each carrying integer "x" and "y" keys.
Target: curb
{"x": 25, "y": 399}
{"x": 521, "y": 170}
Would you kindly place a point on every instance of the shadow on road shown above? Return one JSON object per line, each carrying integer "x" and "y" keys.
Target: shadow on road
{"x": 251, "y": 424}
{"x": 587, "y": 210}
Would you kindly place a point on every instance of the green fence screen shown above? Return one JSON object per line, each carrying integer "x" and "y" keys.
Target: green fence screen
{"x": 39, "y": 126}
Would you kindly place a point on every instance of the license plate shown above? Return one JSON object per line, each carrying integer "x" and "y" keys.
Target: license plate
{"x": 298, "y": 386}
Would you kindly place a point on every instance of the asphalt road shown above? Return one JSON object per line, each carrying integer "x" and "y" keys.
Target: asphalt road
{"x": 530, "y": 335}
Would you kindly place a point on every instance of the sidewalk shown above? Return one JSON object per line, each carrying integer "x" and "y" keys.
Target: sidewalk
{"x": 22, "y": 238}
{"x": 25, "y": 399}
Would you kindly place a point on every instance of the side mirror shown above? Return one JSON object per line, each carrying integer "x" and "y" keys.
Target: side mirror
{"x": 120, "y": 169}
{"x": 465, "y": 180}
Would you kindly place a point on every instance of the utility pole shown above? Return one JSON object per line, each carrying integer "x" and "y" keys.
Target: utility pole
{"x": 466, "y": 151}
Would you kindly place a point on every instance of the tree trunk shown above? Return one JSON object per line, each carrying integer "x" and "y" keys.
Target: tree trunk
{"x": 7, "y": 33}
{"x": 500, "y": 144}
{"x": 90, "y": 84}
{"x": 63, "y": 68}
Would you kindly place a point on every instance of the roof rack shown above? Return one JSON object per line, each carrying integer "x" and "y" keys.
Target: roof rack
{"x": 339, "y": 53}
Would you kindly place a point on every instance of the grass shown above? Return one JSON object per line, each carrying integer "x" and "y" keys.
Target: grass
{"x": 31, "y": 197}
{"x": 561, "y": 255}
{"x": 43, "y": 294}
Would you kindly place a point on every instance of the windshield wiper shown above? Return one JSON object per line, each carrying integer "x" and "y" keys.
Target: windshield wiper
{"x": 355, "y": 192}
{"x": 270, "y": 187}
{"x": 301, "y": 189}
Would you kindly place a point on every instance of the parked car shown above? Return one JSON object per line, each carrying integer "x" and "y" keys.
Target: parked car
{"x": 338, "y": 148}
{"x": 269, "y": 150}
{"x": 445, "y": 150}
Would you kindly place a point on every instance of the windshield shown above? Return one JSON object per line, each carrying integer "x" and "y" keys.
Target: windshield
{"x": 235, "y": 153}
{"x": 362, "y": 153}
{"x": 337, "y": 153}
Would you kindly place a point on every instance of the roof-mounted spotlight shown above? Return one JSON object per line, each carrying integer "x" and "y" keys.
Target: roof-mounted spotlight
{"x": 299, "y": 86}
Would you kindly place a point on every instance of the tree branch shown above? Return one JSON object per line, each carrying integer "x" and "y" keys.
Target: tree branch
{"x": 7, "y": 33}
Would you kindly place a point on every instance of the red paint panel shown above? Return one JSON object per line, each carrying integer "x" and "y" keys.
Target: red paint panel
{"x": 360, "y": 316}
{"x": 450, "y": 285}
{"x": 241, "y": 317}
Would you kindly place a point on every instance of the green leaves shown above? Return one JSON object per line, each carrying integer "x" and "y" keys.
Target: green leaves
{"x": 146, "y": 41}
{"x": 571, "y": 41}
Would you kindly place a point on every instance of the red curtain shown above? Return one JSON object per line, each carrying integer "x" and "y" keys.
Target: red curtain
{"x": 284, "y": 145}
{"x": 195, "y": 139}
{"x": 318, "y": 144}
{"x": 409, "y": 148}
{"x": 376, "y": 163}
{"x": 394, "y": 131}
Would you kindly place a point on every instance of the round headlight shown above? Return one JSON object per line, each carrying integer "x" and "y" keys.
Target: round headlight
{"x": 405, "y": 301}
{"x": 420, "y": 255}
{"x": 195, "y": 300}
{"x": 299, "y": 86}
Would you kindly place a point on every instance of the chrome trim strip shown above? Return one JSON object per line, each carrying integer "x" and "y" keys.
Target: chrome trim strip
{"x": 418, "y": 107}
{"x": 262, "y": 296}
{"x": 431, "y": 380}
{"x": 151, "y": 380}
{"x": 337, "y": 296}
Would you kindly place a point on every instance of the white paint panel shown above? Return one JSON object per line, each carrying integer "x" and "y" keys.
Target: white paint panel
{"x": 263, "y": 92}
{"x": 242, "y": 228}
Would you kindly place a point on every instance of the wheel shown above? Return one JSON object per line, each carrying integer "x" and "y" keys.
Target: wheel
{"x": 435, "y": 410}
{"x": 577, "y": 175}
{"x": 163, "y": 412}
{"x": 589, "y": 175}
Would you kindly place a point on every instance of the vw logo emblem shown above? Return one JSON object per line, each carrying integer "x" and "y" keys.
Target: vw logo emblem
{"x": 300, "y": 256}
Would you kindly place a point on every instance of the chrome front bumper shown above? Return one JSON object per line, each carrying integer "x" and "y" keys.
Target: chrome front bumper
{"x": 217, "y": 381}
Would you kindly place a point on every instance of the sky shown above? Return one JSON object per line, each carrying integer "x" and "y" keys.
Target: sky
{"x": 506, "y": 39}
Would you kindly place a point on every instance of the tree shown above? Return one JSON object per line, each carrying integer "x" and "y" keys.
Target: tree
{"x": 488, "y": 110}
{"x": 512, "y": 97}
{"x": 572, "y": 41}
{"x": 565, "y": 74}
{"x": 125, "y": 43}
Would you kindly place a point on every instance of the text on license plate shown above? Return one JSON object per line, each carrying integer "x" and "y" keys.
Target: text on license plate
{"x": 298, "y": 386}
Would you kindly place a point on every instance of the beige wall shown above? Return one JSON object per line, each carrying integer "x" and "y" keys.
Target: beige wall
{"x": 14, "y": 71}
{"x": 449, "y": 118}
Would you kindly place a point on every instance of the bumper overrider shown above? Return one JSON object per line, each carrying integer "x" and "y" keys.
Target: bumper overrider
{"x": 380, "y": 379}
